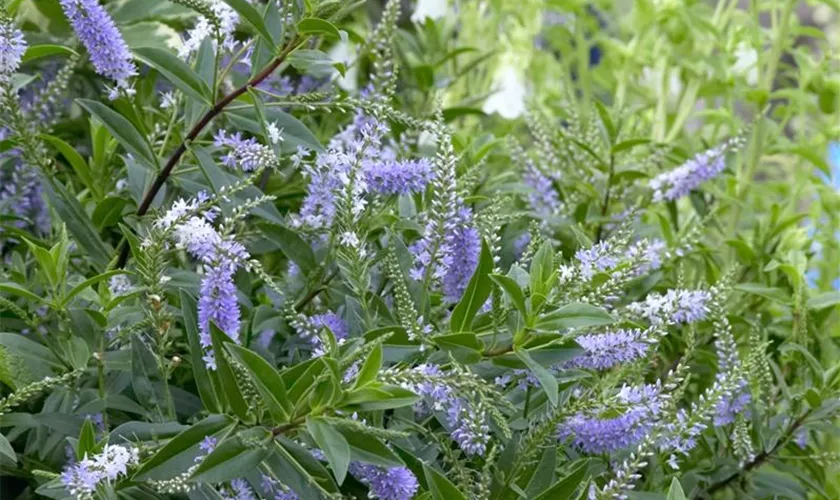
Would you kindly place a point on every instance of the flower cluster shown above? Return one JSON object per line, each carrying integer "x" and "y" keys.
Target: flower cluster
{"x": 386, "y": 483}
{"x": 357, "y": 160}
{"x": 467, "y": 423}
{"x": 246, "y": 154}
{"x": 12, "y": 47}
{"x": 594, "y": 434}
{"x": 82, "y": 479}
{"x": 458, "y": 255}
{"x": 674, "y": 307}
{"x": 704, "y": 166}
{"x": 103, "y": 41}
{"x": 606, "y": 350}
{"x": 221, "y": 256}
{"x": 224, "y": 19}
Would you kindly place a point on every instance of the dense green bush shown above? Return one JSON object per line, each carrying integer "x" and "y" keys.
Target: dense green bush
{"x": 326, "y": 249}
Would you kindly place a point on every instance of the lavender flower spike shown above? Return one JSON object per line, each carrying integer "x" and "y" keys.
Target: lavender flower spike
{"x": 103, "y": 41}
{"x": 386, "y": 483}
{"x": 12, "y": 47}
{"x": 688, "y": 176}
{"x": 606, "y": 350}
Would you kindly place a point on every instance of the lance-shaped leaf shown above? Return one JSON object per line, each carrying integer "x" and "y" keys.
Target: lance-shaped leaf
{"x": 333, "y": 444}
{"x": 204, "y": 380}
{"x": 227, "y": 378}
{"x": 267, "y": 380}
{"x": 476, "y": 293}
{"x": 234, "y": 457}
{"x": 179, "y": 454}
{"x": 122, "y": 129}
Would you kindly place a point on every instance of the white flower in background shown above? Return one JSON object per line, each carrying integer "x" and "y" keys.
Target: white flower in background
{"x": 746, "y": 63}
{"x": 275, "y": 133}
{"x": 652, "y": 79}
{"x": 345, "y": 52}
{"x": 508, "y": 98}
{"x": 432, "y": 9}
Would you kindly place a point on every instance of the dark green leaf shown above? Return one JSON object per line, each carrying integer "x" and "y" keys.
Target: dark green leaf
{"x": 6, "y": 449}
{"x": 313, "y": 25}
{"x": 227, "y": 378}
{"x": 370, "y": 369}
{"x": 122, "y": 129}
{"x": 566, "y": 487}
{"x": 512, "y": 290}
{"x": 200, "y": 373}
{"x": 179, "y": 454}
{"x": 675, "y": 492}
{"x": 574, "y": 315}
{"x": 176, "y": 71}
{"x": 146, "y": 379}
{"x": 267, "y": 380}
{"x": 78, "y": 222}
{"x": 234, "y": 457}
{"x": 76, "y": 161}
{"x": 333, "y": 444}
{"x": 253, "y": 17}
{"x": 546, "y": 378}
{"x": 292, "y": 246}
{"x": 34, "y": 52}
{"x": 476, "y": 293}
{"x": 441, "y": 487}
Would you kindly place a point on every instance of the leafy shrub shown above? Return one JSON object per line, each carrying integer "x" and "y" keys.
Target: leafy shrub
{"x": 287, "y": 249}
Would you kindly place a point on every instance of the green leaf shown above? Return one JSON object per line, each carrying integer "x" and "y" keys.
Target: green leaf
{"x": 76, "y": 162}
{"x": 226, "y": 376}
{"x": 176, "y": 71}
{"x": 441, "y": 487}
{"x": 108, "y": 212}
{"x": 465, "y": 347}
{"x": 250, "y": 14}
{"x": 823, "y": 300}
{"x": 6, "y": 449}
{"x": 86, "y": 444}
{"x": 34, "y": 52}
{"x": 88, "y": 283}
{"x": 542, "y": 275}
{"x": 378, "y": 397}
{"x": 78, "y": 222}
{"x": 200, "y": 373}
{"x": 234, "y": 457}
{"x": 267, "y": 380}
{"x": 295, "y": 133}
{"x": 123, "y": 130}
{"x": 566, "y": 487}
{"x": 293, "y": 246}
{"x": 313, "y": 62}
{"x": 629, "y": 144}
{"x": 145, "y": 431}
{"x": 771, "y": 293}
{"x": 675, "y": 492}
{"x": 179, "y": 454}
{"x": 369, "y": 449}
{"x": 512, "y": 290}
{"x": 300, "y": 470}
{"x": 612, "y": 131}
{"x": 40, "y": 361}
{"x": 574, "y": 315}
{"x": 20, "y": 291}
{"x": 333, "y": 444}
{"x": 370, "y": 369}
{"x": 146, "y": 379}
{"x": 315, "y": 26}
{"x": 547, "y": 380}
{"x": 476, "y": 293}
